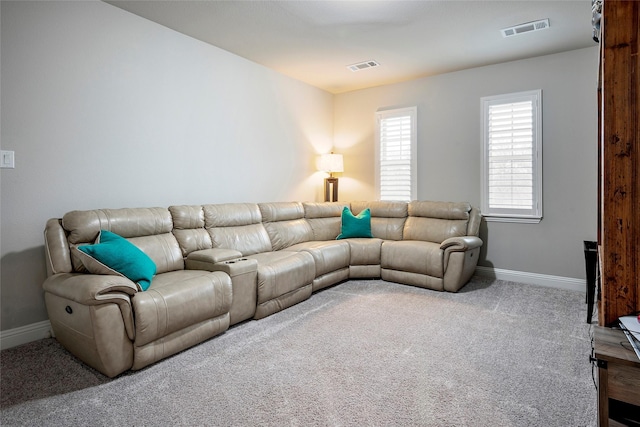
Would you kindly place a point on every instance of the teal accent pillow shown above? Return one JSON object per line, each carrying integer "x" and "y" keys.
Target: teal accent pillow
{"x": 116, "y": 255}
{"x": 355, "y": 226}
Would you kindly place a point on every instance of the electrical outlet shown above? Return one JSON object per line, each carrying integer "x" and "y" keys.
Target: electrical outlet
{"x": 7, "y": 159}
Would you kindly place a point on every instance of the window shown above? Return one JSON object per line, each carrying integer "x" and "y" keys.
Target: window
{"x": 396, "y": 154}
{"x": 512, "y": 157}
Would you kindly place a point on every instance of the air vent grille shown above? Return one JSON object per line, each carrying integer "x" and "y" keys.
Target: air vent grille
{"x": 363, "y": 65}
{"x": 525, "y": 28}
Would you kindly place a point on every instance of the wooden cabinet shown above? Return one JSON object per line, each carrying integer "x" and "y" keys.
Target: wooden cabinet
{"x": 618, "y": 379}
{"x": 619, "y": 160}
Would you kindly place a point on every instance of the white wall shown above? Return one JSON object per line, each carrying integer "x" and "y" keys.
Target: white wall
{"x": 449, "y": 152}
{"x": 106, "y": 110}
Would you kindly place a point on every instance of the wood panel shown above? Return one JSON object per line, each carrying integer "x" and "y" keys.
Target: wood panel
{"x": 619, "y": 214}
{"x": 618, "y": 374}
{"x": 623, "y": 383}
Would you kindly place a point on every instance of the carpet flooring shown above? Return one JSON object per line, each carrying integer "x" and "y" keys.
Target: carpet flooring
{"x": 362, "y": 353}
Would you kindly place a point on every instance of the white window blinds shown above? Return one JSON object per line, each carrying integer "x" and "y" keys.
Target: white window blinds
{"x": 512, "y": 172}
{"x": 396, "y": 154}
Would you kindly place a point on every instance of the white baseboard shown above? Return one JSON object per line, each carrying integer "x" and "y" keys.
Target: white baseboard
{"x": 567, "y": 283}
{"x": 24, "y": 334}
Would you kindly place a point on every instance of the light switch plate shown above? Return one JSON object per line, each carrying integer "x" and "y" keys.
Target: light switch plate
{"x": 7, "y": 159}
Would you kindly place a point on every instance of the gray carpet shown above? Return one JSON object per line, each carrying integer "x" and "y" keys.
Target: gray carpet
{"x": 361, "y": 353}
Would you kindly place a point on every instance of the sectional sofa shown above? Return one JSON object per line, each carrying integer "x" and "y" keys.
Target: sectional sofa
{"x": 215, "y": 265}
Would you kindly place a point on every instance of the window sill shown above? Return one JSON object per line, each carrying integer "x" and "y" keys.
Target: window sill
{"x": 513, "y": 219}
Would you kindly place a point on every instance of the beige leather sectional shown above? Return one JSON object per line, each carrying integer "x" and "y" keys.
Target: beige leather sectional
{"x": 221, "y": 264}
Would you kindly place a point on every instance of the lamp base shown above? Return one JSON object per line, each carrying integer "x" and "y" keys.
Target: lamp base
{"x": 331, "y": 189}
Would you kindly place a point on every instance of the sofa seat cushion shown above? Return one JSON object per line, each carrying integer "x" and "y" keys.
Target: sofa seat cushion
{"x": 178, "y": 299}
{"x": 282, "y": 272}
{"x": 413, "y": 257}
{"x": 365, "y": 251}
{"x": 328, "y": 256}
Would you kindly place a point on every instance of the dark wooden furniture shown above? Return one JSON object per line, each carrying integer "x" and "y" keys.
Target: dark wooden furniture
{"x": 331, "y": 189}
{"x": 618, "y": 378}
{"x": 619, "y": 160}
{"x": 591, "y": 268}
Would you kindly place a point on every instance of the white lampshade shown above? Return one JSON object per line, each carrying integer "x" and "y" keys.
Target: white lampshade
{"x": 331, "y": 163}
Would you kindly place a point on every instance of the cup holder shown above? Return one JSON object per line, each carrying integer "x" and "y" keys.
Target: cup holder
{"x": 235, "y": 260}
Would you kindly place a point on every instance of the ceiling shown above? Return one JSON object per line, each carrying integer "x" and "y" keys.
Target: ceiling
{"x": 315, "y": 41}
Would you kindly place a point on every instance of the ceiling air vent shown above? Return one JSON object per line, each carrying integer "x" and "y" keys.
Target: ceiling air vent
{"x": 525, "y": 28}
{"x": 362, "y": 65}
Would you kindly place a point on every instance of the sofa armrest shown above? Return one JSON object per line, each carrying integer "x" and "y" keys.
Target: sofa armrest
{"x": 96, "y": 289}
{"x": 90, "y": 289}
{"x": 201, "y": 260}
{"x": 56, "y": 248}
{"x": 461, "y": 244}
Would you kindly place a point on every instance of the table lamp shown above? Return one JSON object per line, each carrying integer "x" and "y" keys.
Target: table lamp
{"x": 331, "y": 163}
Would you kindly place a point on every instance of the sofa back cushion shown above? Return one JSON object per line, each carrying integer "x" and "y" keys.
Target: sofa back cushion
{"x": 324, "y": 218}
{"x": 285, "y": 224}
{"x": 188, "y": 227}
{"x": 147, "y": 228}
{"x": 236, "y": 226}
{"x": 436, "y": 221}
{"x": 387, "y": 218}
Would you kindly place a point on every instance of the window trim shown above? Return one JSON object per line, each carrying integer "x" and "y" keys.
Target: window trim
{"x": 536, "y": 212}
{"x": 382, "y": 114}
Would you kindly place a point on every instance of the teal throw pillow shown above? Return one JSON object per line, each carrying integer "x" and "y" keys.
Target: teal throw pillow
{"x": 121, "y": 257}
{"x": 355, "y": 226}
